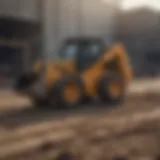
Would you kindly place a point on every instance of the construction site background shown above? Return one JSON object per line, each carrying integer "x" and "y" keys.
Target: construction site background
{"x": 32, "y": 29}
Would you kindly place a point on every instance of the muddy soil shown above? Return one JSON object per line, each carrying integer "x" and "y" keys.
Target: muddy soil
{"x": 129, "y": 131}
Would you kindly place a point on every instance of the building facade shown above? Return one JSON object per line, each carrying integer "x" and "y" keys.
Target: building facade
{"x": 20, "y": 9}
{"x": 139, "y": 29}
{"x": 40, "y": 26}
{"x": 66, "y": 18}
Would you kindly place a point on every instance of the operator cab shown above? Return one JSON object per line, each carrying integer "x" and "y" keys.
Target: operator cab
{"x": 84, "y": 50}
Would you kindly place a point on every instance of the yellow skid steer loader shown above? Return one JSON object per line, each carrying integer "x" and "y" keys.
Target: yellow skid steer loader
{"x": 86, "y": 68}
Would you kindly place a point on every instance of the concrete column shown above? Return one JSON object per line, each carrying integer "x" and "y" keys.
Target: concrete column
{"x": 97, "y": 18}
{"x": 50, "y": 27}
{"x": 68, "y": 12}
{"x": 60, "y": 20}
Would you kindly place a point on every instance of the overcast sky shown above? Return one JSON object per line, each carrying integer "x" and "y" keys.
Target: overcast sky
{"x": 128, "y": 4}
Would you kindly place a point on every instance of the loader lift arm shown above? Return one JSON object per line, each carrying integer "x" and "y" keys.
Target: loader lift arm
{"x": 116, "y": 55}
{"x": 123, "y": 66}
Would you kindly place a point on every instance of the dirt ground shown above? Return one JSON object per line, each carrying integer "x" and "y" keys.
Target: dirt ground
{"x": 134, "y": 136}
{"x": 94, "y": 132}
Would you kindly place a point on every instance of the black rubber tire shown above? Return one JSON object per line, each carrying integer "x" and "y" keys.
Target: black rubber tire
{"x": 104, "y": 93}
{"x": 57, "y": 92}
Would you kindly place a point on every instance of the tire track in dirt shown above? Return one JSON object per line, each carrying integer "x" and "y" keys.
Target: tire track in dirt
{"x": 115, "y": 125}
